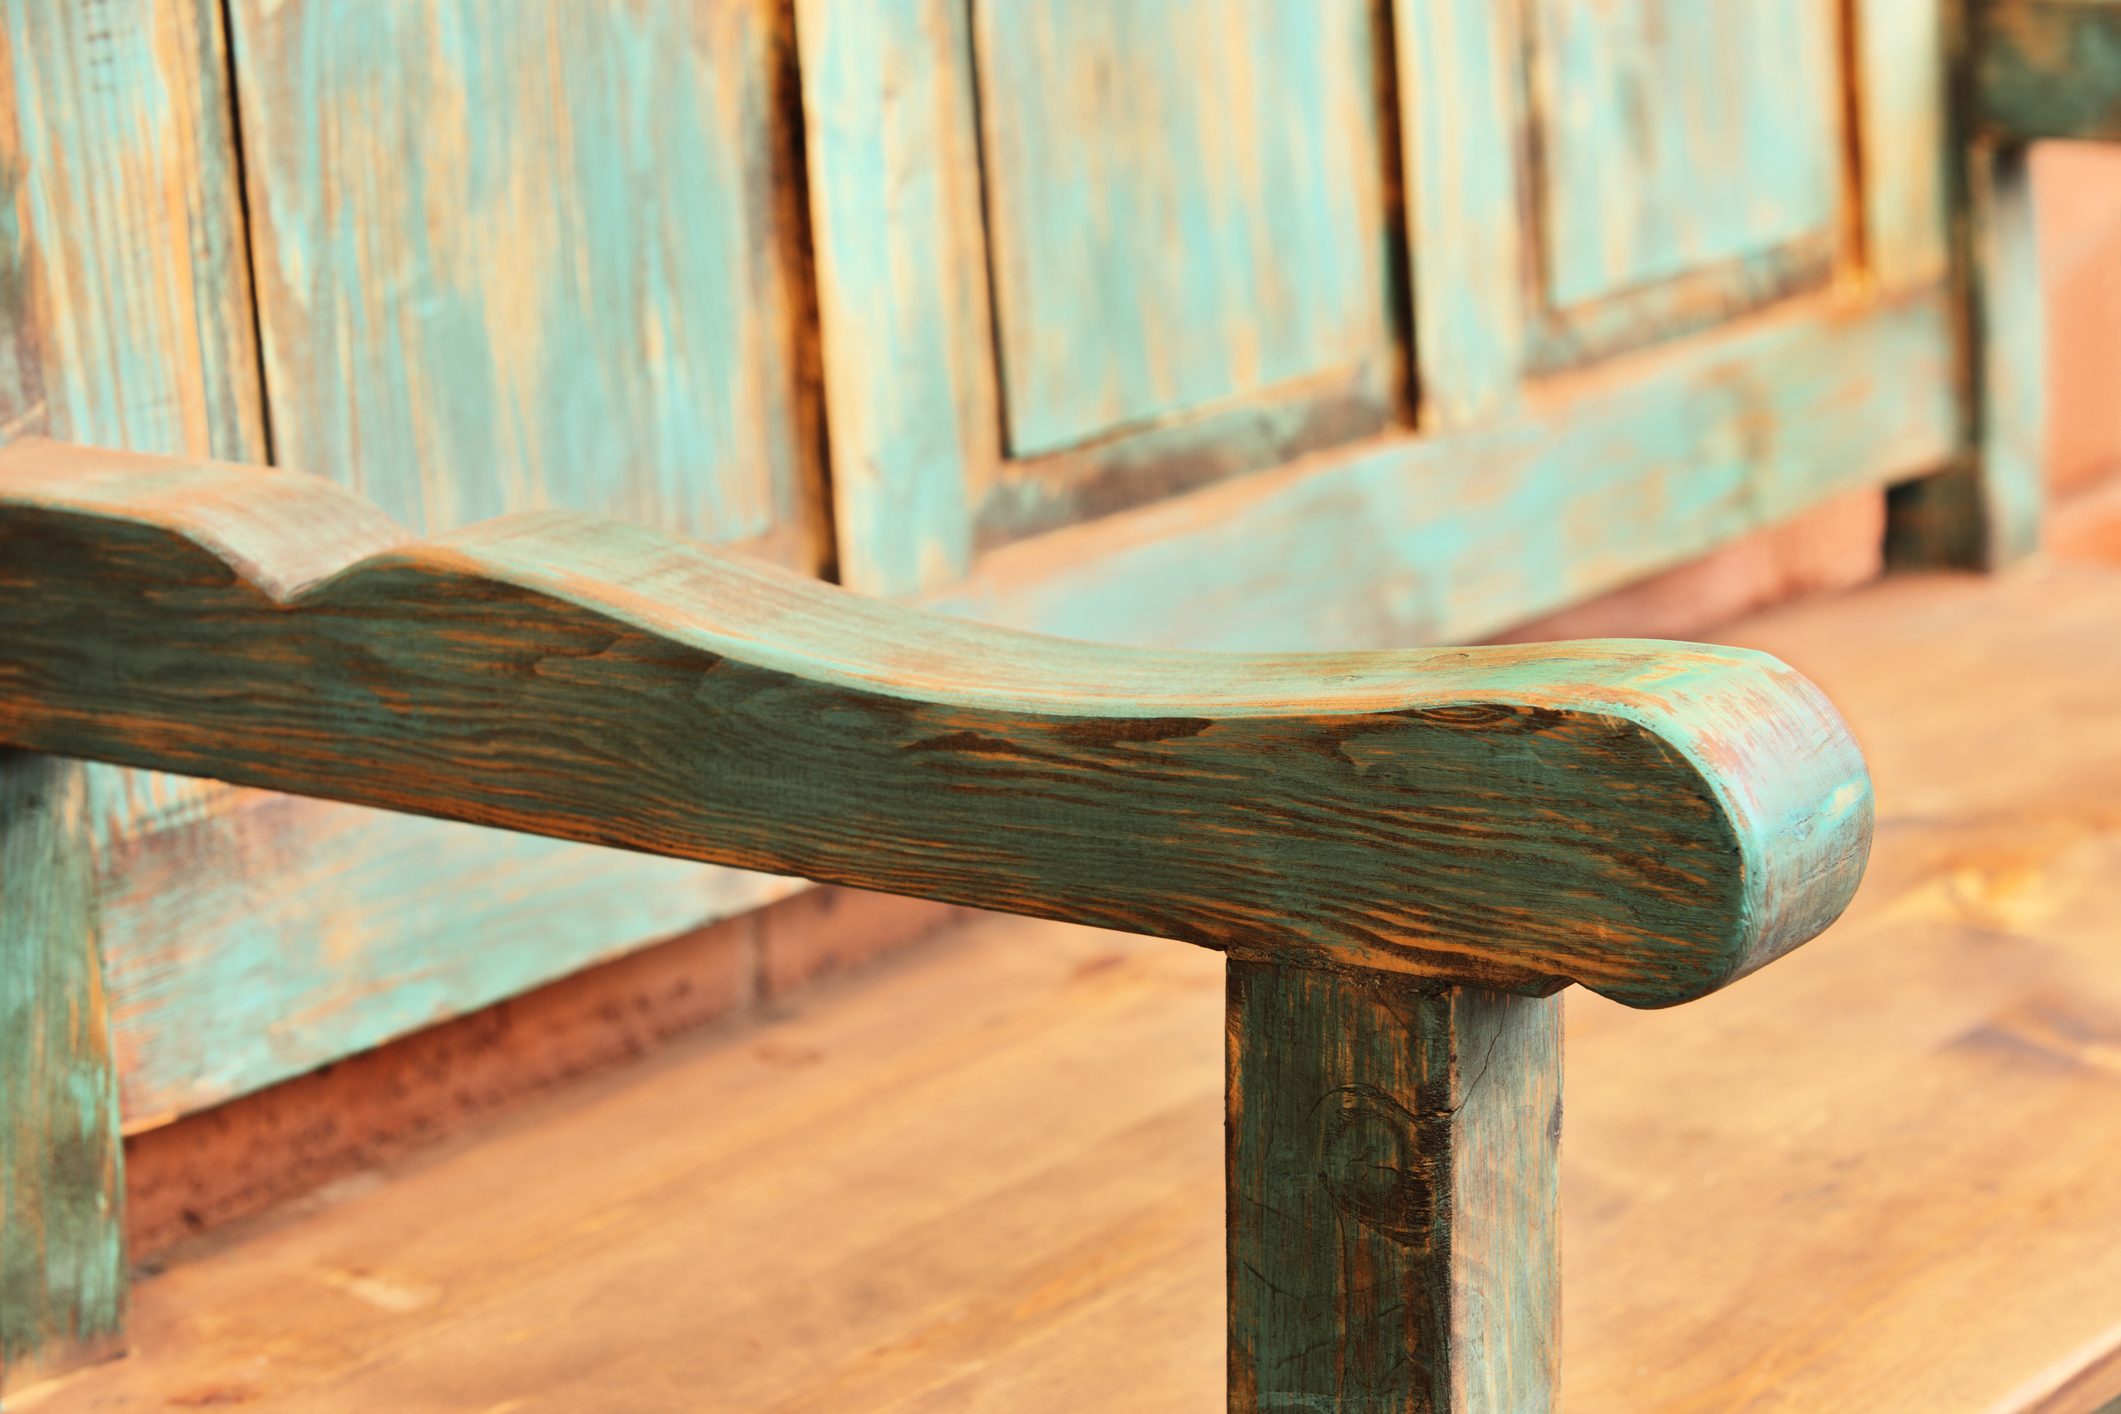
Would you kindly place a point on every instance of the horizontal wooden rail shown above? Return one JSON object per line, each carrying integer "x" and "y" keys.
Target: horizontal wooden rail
{"x": 1649, "y": 819}
{"x": 2048, "y": 68}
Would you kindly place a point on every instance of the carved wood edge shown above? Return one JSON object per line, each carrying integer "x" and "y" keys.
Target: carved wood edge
{"x": 1652, "y": 820}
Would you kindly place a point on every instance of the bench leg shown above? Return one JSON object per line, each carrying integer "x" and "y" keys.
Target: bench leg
{"x": 1394, "y": 1205}
{"x": 62, "y": 1216}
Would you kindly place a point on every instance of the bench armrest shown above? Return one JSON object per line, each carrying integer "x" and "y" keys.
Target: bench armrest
{"x": 1651, "y": 820}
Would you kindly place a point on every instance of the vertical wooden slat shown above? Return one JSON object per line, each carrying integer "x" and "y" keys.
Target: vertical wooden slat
{"x": 1460, "y": 94}
{"x": 903, "y": 310}
{"x": 1393, "y": 1195}
{"x": 131, "y": 230}
{"x": 2011, "y": 345}
{"x": 1899, "y": 79}
{"x": 62, "y": 1233}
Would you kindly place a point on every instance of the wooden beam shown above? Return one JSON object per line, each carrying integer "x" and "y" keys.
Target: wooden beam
{"x": 62, "y": 1196}
{"x": 1394, "y": 1195}
{"x": 1652, "y": 820}
{"x": 2048, "y": 68}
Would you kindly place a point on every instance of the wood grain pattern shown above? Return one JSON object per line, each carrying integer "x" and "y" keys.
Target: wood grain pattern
{"x": 1881, "y": 1177}
{"x": 910, "y": 384}
{"x": 1462, "y": 98}
{"x": 1394, "y": 1196}
{"x": 128, "y": 226}
{"x": 519, "y": 256}
{"x": 62, "y": 1223}
{"x": 260, "y": 936}
{"x": 1185, "y": 204}
{"x": 1607, "y": 477}
{"x": 2048, "y": 68}
{"x": 1648, "y": 820}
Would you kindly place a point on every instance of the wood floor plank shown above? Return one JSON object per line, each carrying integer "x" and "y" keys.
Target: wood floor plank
{"x": 1883, "y": 1174}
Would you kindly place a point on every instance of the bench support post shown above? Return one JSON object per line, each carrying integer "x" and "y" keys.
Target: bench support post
{"x": 62, "y": 1210}
{"x": 1394, "y": 1201}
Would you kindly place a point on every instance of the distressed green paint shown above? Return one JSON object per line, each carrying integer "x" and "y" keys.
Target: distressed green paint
{"x": 1461, "y": 93}
{"x": 902, "y": 284}
{"x": 1185, "y": 203}
{"x": 1680, "y": 136}
{"x": 1393, "y": 1165}
{"x": 127, "y": 227}
{"x": 1983, "y": 511}
{"x": 2048, "y": 68}
{"x": 1652, "y": 821}
{"x": 1900, "y": 92}
{"x": 1459, "y": 536}
{"x": 264, "y": 936}
{"x": 62, "y": 1215}
{"x": 528, "y": 255}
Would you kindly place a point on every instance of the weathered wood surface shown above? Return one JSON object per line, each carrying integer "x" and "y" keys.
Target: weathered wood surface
{"x": 1185, "y": 204}
{"x": 1387, "y": 539}
{"x": 1881, "y": 1177}
{"x": 261, "y": 936}
{"x": 518, "y": 256}
{"x": 1462, "y": 101}
{"x": 129, "y": 290}
{"x": 1652, "y": 821}
{"x": 1394, "y": 1201}
{"x": 125, "y": 320}
{"x": 62, "y": 1235}
{"x": 2048, "y": 68}
{"x": 1604, "y": 477}
{"x": 1676, "y": 142}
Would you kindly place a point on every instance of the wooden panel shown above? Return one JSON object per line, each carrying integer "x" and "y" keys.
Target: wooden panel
{"x": 2049, "y": 68}
{"x": 264, "y": 935}
{"x": 127, "y": 234}
{"x": 62, "y": 1228}
{"x": 1607, "y": 477}
{"x": 1394, "y": 1196}
{"x": 1461, "y": 96}
{"x": 1675, "y": 141}
{"x": 1902, "y": 145}
{"x": 902, "y": 289}
{"x": 514, "y": 256}
{"x": 1185, "y": 203}
{"x": 1654, "y": 821}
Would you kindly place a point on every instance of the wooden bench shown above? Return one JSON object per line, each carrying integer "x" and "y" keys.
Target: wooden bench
{"x": 1314, "y": 906}
{"x": 1404, "y": 855}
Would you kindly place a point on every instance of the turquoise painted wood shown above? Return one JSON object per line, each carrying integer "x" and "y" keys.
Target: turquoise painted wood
{"x": 1676, "y": 137}
{"x": 1184, "y": 204}
{"x": 1650, "y": 820}
{"x": 62, "y": 1243}
{"x": 908, "y": 345}
{"x": 1394, "y": 1195}
{"x": 1456, "y": 537}
{"x": 125, "y": 227}
{"x": 1461, "y": 96}
{"x": 1902, "y": 133}
{"x": 534, "y": 255}
{"x": 2048, "y": 68}
{"x": 251, "y": 937}
{"x": 129, "y": 323}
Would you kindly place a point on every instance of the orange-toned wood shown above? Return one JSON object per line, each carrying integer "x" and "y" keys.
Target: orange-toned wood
{"x": 1883, "y": 1176}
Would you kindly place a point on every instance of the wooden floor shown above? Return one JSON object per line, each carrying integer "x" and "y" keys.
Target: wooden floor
{"x": 1884, "y": 1174}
